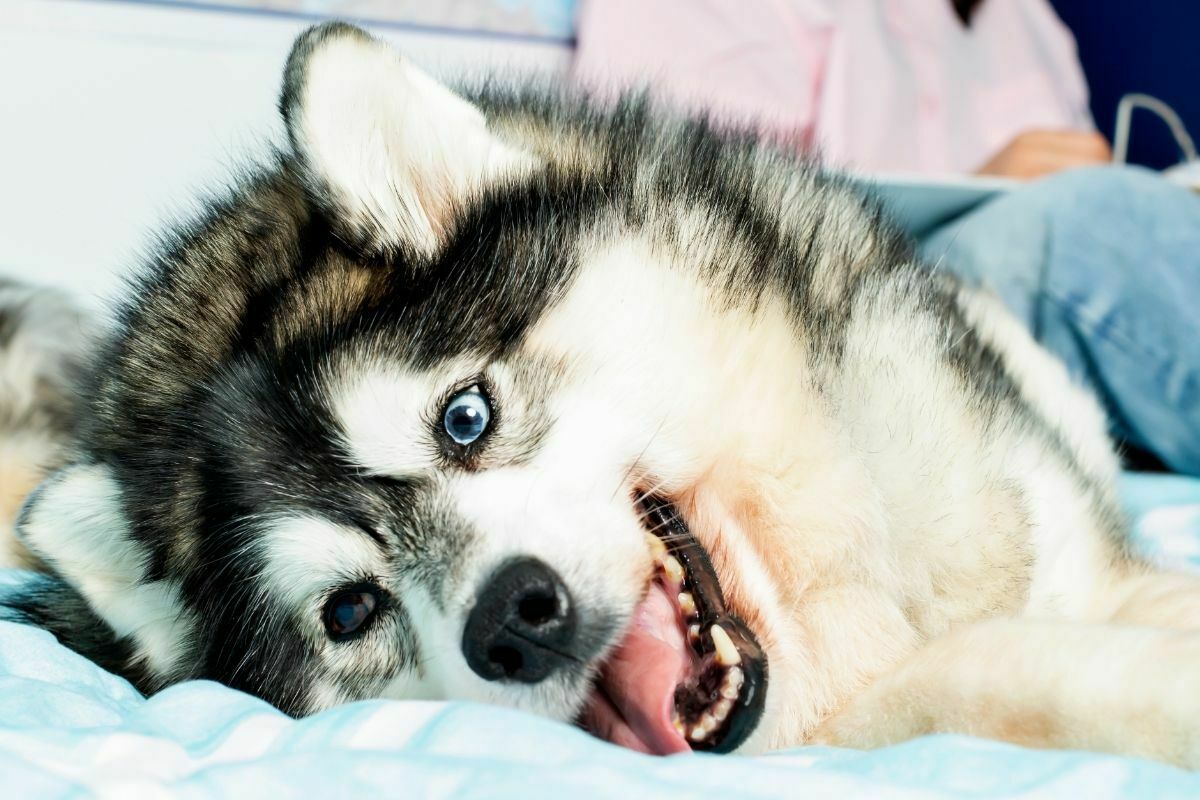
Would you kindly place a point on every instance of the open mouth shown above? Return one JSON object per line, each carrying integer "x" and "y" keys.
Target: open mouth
{"x": 688, "y": 675}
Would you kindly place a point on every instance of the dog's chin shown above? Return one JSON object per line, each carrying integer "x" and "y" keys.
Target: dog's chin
{"x": 687, "y": 673}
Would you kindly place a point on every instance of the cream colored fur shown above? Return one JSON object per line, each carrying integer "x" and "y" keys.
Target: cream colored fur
{"x": 836, "y": 522}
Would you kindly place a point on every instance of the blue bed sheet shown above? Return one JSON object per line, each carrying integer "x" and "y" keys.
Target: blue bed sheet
{"x": 68, "y": 729}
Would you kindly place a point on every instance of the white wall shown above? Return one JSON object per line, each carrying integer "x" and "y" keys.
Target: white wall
{"x": 112, "y": 116}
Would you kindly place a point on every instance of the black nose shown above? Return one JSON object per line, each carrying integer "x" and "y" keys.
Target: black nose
{"x": 523, "y": 625}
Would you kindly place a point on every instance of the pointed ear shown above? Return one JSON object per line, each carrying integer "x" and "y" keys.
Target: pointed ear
{"x": 75, "y": 523}
{"x": 386, "y": 150}
{"x": 46, "y": 601}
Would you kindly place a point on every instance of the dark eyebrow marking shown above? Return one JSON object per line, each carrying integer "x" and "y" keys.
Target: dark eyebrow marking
{"x": 373, "y": 532}
{"x": 391, "y": 492}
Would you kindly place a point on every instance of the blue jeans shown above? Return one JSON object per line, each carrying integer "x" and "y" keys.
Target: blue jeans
{"x": 1103, "y": 265}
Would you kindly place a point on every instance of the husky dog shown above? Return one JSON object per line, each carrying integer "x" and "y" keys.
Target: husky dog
{"x": 605, "y": 416}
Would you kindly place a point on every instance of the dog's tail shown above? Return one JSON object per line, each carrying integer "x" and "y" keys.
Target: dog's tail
{"x": 43, "y": 342}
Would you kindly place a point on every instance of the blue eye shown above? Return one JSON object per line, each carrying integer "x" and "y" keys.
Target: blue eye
{"x": 467, "y": 416}
{"x": 348, "y": 611}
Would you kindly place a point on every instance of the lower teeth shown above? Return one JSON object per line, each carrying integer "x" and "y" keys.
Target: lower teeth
{"x": 687, "y": 604}
{"x": 725, "y": 654}
{"x": 723, "y": 688}
{"x": 733, "y": 681}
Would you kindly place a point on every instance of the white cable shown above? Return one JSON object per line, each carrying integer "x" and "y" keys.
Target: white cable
{"x": 1164, "y": 111}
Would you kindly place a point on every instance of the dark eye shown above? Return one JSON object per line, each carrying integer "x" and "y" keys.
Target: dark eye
{"x": 467, "y": 416}
{"x": 348, "y": 611}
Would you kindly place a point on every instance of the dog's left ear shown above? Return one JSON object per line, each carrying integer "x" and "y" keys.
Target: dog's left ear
{"x": 100, "y": 599}
{"x": 387, "y": 151}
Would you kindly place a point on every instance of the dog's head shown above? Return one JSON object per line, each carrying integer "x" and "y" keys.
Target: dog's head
{"x": 338, "y": 451}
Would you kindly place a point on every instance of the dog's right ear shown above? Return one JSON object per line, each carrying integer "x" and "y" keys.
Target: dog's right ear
{"x": 100, "y": 601}
{"x": 387, "y": 151}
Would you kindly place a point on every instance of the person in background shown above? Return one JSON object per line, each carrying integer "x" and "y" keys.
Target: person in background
{"x": 1102, "y": 263}
{"x": 925, "y": 86}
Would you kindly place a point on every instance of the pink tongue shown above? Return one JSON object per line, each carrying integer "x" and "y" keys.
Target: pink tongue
{"x": 649, "y": 664}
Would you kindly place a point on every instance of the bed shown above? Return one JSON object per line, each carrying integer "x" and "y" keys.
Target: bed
{"x": 69, "y": 729}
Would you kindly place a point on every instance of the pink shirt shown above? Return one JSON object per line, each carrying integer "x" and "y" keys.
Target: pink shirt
{"x": 883, "y": 85}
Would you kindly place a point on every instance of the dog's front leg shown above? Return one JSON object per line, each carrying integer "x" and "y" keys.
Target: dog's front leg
{"x": 1127, "y": 690}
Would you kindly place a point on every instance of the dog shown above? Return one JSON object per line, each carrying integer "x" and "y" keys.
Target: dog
{"x": 615, "y": 417}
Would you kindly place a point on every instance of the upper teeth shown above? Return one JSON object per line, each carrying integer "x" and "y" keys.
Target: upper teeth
{"x": 727, "y": 653}
{"x": 657, "y": 548}
{"x": 687, "y": 603}
{"x": 672, "y": 568}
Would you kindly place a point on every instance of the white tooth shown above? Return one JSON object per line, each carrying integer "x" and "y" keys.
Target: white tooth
{"x": 698, "y": 733}
{"x": 721, "y": 708}
{"x": 693, "y": 633}
{"x": 709, "y": 722}
{"x": 678, "y": 724}
{"x": 673, "y": 568}
{"x": 657, "y": 548}
{"x": 687, "y": 604}
{"x": 731, "y": 684}
{"x": 727, "y": 654}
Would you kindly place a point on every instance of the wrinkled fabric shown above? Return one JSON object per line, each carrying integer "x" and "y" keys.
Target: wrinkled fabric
{"x": 68, "y": 729}
{"x": 1102, "y": 264}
